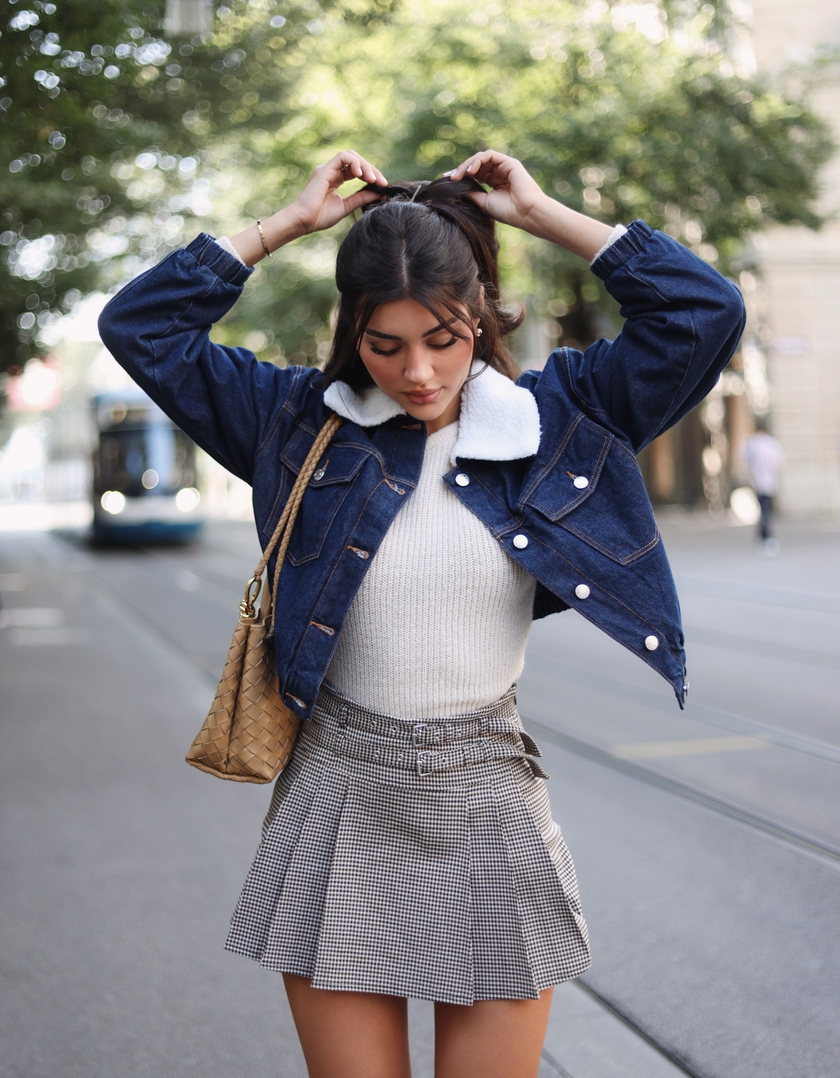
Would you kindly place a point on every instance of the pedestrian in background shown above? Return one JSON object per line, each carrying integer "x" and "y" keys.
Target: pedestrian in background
{"x": 410, "y": 851}
{"x": 763, "y": 458}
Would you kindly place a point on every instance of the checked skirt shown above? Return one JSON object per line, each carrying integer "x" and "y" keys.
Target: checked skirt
{"x": 414, "y": 859}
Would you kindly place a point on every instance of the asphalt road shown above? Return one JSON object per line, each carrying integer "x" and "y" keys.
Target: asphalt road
{"x": 707, "y": 842}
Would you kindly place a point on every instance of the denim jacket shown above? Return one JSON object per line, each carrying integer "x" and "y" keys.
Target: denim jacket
{"x": 547, "y": 464}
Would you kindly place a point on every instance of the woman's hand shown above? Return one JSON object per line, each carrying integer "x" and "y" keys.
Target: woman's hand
{"x": 318, "y": 206}
{"x": 514, "y": 195}
{"x": 516, "y": 199}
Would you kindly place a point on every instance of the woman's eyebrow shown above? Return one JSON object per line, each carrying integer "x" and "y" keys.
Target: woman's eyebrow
{"x": 428, "y": 333}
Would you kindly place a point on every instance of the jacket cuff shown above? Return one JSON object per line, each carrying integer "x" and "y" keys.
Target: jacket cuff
{"x": 616, "y": 234}
{"x": 614, "y": 257}
{"x": 226, "y": 266}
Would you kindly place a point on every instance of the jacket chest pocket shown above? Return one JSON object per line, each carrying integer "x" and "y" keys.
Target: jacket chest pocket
{"x": 331, "y": 482}
{"x": 593, "y": 489}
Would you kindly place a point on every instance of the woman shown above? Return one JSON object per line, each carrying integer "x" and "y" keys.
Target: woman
{"x": 409, "y": 850}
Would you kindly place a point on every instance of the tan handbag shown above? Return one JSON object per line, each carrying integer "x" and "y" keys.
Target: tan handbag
{"x": 249, "y": 733}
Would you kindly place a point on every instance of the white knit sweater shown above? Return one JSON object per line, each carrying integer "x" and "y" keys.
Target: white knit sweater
{"x": 440, "y": 622}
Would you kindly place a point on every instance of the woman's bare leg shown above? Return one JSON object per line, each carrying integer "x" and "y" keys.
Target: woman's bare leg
{"x": 350, "y": 1034}
{"x": 491, "y": 1039}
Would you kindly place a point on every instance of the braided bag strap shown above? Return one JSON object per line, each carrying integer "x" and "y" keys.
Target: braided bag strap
{"x": 290, "y": 511}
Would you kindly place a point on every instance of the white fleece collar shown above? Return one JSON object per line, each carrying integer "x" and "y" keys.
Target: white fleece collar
{"x": 499, "y": 419}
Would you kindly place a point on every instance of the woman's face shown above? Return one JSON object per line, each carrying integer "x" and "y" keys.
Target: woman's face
{"x": 418, "y": 361}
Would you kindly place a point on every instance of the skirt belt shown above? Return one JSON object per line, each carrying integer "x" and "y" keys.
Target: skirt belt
{"x": 493, "y": 733}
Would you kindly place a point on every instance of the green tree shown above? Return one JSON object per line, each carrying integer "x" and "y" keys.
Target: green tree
{"x": 112, "y": 135}
{"x": 619, "y": 119}
{"x": 615, "y": 121}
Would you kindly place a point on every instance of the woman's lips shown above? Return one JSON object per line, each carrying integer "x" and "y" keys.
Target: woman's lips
{"x": 427, "y": 397}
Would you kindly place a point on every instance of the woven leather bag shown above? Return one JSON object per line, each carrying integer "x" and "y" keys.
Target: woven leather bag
{"x": 249, "y": 733}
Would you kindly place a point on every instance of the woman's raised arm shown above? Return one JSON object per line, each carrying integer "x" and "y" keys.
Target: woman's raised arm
{"x": 683, "y": 320}
{"x": 158, "y": 326}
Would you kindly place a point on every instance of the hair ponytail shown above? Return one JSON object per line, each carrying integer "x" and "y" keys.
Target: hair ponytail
{"x": 426, "y": 241}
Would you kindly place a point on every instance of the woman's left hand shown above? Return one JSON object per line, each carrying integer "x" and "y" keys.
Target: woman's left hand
{"x": 516, "y": 199}
{"x": 515, "y": 194}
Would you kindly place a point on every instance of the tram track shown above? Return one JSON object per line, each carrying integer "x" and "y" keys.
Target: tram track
{"x": 724, "y": 720}
{"x": 776, "y": 829}
{"x": 801, "y": 842}
{"x": 620, "y": 1015}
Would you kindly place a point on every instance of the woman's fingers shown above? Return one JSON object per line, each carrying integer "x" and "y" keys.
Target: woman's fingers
{"x": 359, "y": 198}
{"x": 483, "y": 165}
{"x": 319, "y": 205}
{"x": 352, "y": 165}
{"x": 514, "y": 193}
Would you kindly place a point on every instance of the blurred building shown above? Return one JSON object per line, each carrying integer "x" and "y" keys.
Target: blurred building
{"x": 787, "y": 370}
{"x": 794, "y": 289}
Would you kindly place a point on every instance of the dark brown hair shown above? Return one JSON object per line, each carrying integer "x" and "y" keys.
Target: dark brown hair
{"x": 429, "y": 242}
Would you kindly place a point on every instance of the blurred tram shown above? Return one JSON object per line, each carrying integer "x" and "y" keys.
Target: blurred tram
{"x": 144, "y": 473}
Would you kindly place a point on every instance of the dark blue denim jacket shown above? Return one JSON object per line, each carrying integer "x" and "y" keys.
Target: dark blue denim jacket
{"x": 595, "y": 547}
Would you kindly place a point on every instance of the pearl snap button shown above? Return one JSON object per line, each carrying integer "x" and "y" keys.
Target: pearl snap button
{"x": 318, "y": 475}
{"x": 520, "y": 541}
{"x": 651, "y": 643}
{"x": 462, "y": 480}
{"x": 582, "y": 591}
{"x": 581, "y": 482}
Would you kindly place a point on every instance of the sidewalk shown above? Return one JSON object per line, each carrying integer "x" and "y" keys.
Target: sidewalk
{"x": 585, "y": 1039}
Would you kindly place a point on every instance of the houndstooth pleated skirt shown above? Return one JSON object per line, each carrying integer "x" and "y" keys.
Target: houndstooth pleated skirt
{"x": 415, "y": 859}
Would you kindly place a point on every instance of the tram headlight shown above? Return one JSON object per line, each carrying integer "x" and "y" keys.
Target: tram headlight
{"x": 112, "y": 502}
{"x": 187, "y": 499}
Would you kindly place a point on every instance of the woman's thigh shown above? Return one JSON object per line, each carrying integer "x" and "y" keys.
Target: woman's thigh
{"x": 349, "y": 1034}
{"x": 491, "y": 1039}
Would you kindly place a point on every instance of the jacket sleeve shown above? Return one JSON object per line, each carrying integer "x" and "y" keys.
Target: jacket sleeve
{"x": 683, "y": 321}
{"x": 158, "y": 329}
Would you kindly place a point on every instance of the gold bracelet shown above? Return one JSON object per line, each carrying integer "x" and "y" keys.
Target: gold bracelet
{"x": 262, "y": 237}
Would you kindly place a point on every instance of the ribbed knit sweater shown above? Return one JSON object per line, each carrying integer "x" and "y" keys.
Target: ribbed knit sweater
{"x": 440, "y": 622}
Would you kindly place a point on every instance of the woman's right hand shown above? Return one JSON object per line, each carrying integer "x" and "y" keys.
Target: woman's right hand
{"x": 320, "y": 206}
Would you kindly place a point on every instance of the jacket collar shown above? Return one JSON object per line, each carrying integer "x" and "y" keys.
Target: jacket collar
{"x": 499, "y": 419}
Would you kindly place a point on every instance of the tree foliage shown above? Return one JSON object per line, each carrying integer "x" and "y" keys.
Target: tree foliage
{"x": 120, "y": 139}
{"x": 111, "y": 134}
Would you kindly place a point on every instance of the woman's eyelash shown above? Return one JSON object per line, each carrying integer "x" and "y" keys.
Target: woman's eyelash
{"x": 393, "y": 351}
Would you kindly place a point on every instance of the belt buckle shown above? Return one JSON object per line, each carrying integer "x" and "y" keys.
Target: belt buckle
{"x": 424, "y": 758}
{"x": 420, "y": 726}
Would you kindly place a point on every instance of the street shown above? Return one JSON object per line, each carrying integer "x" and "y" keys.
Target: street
{"x": 707, "y": 842}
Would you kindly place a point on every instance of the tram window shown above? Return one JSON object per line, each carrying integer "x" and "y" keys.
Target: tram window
{"x": 126, "y": 456}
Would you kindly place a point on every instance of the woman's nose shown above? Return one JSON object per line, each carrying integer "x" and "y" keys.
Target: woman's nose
{"x": 419, "y": 368}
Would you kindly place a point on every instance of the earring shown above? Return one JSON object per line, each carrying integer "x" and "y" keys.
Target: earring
{"x": 479, "y": 331}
